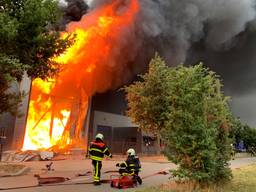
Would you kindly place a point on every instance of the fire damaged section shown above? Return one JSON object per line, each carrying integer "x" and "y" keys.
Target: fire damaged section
{"x": 58, "y": 107}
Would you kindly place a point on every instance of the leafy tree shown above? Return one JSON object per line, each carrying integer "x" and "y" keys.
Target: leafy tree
{"x": 245, "y": 133}
{"x": 27, "y": 42}
{"x": 236, "y": 132}
{"x": 10, "y": 70}
{"x": 249, "y": 137}
{"x": 186, "y": 106}
{"x": 148, "y": 104}
{"x": 197, "y": 132}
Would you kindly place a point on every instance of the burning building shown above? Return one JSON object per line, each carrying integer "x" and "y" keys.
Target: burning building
{"x": 59, "y": 108}
{"x": 114, "y": 41}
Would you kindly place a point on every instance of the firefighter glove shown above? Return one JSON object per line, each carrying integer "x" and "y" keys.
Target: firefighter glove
{"x": 117, "y": 165}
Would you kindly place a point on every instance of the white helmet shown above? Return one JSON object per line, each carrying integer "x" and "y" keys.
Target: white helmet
{"x": 131, "y": 152}
{"x": 99, "y": 136}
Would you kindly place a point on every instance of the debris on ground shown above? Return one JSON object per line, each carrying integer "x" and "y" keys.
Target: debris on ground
{"x": 83, "y": 174}
{"x": 46, "y": 155}
{"x": 20, "y": 156}
{"x": 48, "y": 167}
{"x": 8, "y": 170}
{"x": 29, "y": 155}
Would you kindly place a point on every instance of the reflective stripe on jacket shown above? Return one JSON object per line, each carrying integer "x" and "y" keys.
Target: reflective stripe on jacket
{"x": 132, "y": 163}
{"x": 98, "y": 149}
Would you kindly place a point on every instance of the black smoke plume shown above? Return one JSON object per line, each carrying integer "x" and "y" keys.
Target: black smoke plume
{"x": 221, "y": 33}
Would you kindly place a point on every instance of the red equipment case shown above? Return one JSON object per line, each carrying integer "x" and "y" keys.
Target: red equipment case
{"x": 123, "y": 182}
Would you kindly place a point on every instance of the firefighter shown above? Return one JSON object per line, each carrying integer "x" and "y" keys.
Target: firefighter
{"x": 131, "y": 166}
{"x": 97, "y": 150}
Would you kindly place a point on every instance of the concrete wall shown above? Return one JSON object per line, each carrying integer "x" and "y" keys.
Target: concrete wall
{"x": 110, "y": 119}
{"x": 7, "y": 121}
{"x": 20, "y": 122}
{"x": 110, "y": 102}
{"x": 119, "y": 132}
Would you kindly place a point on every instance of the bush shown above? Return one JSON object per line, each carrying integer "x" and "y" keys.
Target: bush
{"x": 197, "y": 132}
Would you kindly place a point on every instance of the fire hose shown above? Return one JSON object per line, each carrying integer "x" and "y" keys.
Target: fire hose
{"x": 58, "y": 181}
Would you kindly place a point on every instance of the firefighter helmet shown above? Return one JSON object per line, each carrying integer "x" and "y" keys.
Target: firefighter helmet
{"x": 131, "y": 152}
{"x": 99, "y": 136}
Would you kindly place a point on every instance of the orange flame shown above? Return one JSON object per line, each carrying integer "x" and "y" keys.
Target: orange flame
{"x": 94, "y": 63}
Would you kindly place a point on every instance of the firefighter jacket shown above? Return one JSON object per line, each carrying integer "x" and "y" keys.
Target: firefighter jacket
{"x": 132, "y": 163}
{"x": 98, "y": 149}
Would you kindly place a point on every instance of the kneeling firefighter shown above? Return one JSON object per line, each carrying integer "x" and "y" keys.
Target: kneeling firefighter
{"x": 97, "y": 150}
{"x": 131, "y": 166}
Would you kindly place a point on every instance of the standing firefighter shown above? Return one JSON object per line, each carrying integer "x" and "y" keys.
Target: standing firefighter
{"x": 131, "y": 166}
{"x": 97, "y": 151}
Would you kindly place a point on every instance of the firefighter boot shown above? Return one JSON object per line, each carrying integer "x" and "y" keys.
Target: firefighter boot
{"x": 137, "y": 177}
{"x": 96, "y": 183}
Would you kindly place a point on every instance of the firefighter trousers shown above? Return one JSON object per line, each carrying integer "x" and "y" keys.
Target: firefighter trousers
{"x": 97, "y": 167}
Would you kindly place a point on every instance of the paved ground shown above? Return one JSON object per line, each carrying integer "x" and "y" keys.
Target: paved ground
{"x": 69, "y": 168}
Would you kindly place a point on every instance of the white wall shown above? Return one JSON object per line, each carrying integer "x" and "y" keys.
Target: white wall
{"x": 20, "y": 122}
{"x": 110, "y": 119}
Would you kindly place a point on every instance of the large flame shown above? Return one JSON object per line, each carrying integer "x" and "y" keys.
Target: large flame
{"x": 95, "y": 63}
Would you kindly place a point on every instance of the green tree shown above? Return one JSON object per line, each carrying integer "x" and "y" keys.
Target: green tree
{"x": 148, "y": 104}
{"x": 249, "y": 136}
{"x": 10, "y": 70}
{"x": 197, "y": 132}
{"x": 28, "y": 41}
{"x": 186, "y": 106}
{"x": 236, "y": 132}
{"x": 245, "y": 133}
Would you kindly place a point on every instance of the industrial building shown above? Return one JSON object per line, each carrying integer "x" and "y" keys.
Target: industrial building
{"x": 106, "y": 114}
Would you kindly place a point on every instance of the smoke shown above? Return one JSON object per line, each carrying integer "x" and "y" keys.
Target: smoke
{"x": 172, "y": 27}
{"x": 181, "y": 23}
{"x": 73, "y": 11}
{"x": 176, "y": 24}
{"x": 62, "y": 3}
{"x": 218, "y": 32}
{"x": 236, "y": 68}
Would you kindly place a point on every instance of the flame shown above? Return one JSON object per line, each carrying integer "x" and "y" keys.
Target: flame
{"x": 58, "y": 107}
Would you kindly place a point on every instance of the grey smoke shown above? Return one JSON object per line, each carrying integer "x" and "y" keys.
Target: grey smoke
{"x": 73, "y": 11}
{"x": 237, "y": 69}
{"x": 181, "y": 23}
{"x": 177, "y": 24}
{"x": 62, "y": 3}
{"x": 219, "y": 32}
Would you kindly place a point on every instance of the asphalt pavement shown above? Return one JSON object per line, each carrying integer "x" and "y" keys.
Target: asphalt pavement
{"x": 70, "y": 168}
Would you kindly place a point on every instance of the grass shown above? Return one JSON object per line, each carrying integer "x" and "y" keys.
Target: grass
{"x": 244, "y": 181}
